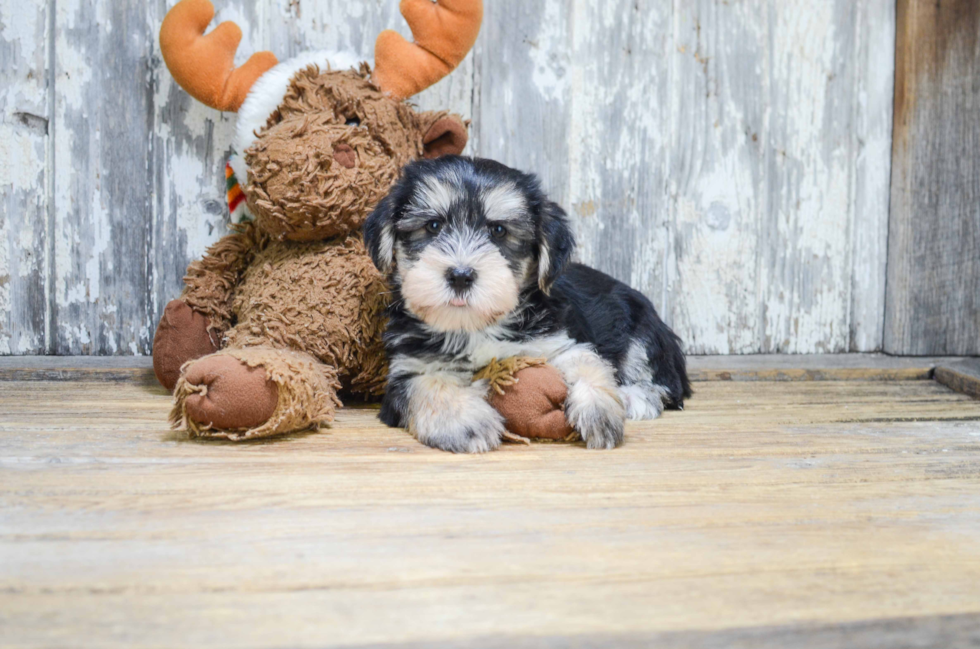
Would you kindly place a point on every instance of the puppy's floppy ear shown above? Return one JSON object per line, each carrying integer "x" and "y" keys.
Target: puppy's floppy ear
{"x": 555, "y": 244}
{"x": 379, "y": 233}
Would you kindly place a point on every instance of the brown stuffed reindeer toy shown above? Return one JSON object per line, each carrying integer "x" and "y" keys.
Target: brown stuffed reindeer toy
{"x": 288, "y": 309}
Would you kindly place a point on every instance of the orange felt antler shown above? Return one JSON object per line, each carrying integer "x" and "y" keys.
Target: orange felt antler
{"x": 444, "y": 32}
{"x": 204, "y": 65}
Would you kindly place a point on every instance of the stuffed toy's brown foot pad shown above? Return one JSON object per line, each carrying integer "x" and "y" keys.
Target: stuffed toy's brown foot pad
{"x": 531, "y": 400}
{"x": 254, "y": 392}
{"x": 181, "y": 336}
{"x": 227, "y": 393}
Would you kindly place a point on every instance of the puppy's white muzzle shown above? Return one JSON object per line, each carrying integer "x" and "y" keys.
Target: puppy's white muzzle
{"x": 460, "y": 282}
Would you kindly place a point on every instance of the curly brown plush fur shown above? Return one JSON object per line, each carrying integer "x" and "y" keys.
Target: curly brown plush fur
{"x": 325, "y": 298}
{"x": 294, "y": 293}
{"x": 296, "y": 184}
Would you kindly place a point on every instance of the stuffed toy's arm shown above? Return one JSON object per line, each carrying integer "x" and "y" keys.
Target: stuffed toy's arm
{"x": 192, "y": 326}
{"x": 211, "y": 281}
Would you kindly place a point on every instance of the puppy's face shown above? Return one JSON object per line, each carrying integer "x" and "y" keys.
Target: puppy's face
{"x": 463, "y": 239}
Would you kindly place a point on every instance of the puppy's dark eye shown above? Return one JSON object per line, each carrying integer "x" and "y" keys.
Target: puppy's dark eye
{"x": 433, "y": 227}
{"x": 353, "y": 121}
{"x": 498, "y": 231}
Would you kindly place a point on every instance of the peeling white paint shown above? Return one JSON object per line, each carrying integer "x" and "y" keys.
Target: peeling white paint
{"x": 870, "y": 208}
{"x": 18, "y": 24}
{"x": 19, "y": 156}
{"x": 731, "y": 160}
{"x": 5, "y": 299}
{"x": 548, "y": 52}
{"x": 23, "y": 167}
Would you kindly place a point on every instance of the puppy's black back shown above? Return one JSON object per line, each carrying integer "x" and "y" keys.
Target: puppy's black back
{"x": 597, "y": 309}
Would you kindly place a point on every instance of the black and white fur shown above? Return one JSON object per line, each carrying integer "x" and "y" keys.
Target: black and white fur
{"x": 478, "y": 261}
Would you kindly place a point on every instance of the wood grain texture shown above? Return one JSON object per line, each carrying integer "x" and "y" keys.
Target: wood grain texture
{"x": 773, "y": 137}
{"x": 102, "y": 225}
{"x": 962, "y": 376}
{"x": 101, "y": 369}
{"x": 730, "y": 160}
{"x": 24, "y": 176}
{"x": 783, "y": 506}
{"x": 933, "y": 303}
{"x": 874, "y": 31}
{"x": 947, "y": 631}
{"x": 755, "y": 367}
{"x": 717, "y": 174}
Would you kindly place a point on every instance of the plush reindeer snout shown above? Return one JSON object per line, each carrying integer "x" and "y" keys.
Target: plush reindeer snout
{"x": 344, "y": 155}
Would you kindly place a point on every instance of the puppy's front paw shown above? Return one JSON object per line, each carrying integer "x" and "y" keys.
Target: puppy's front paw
{"x": 464, "y": 439}
{"x": 597, "y": 414}
{"x": 474, "y": 427}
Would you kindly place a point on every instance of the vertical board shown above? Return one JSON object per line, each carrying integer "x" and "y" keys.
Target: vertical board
{"x": 933, "y": 297}
{"x": 805, "y": 271}
{"x": 617, "y": 134}
{"x": 522, "y": 67}
{"x": 718, "y": 176}
{"x": 874, "y": 94}
{"x": 730, "y": 160}
{"x": 102, "y": 178}
{"x": 24, "y": 145}
{"x": 780, "y": 124}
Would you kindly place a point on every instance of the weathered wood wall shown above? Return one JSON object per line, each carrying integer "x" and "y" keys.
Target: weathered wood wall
{"x": 933, "y": 301}
{"x": 730, "y": 159}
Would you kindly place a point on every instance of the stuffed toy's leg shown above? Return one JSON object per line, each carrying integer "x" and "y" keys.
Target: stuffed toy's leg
{"x": 182, "y": 335}
{"x": 254, "y": 392}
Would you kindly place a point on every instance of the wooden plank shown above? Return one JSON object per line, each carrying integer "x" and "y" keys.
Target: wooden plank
{"x": 102, "y": 178}
{"x": 760, "y": 367}
{"x": 133, "y": 369}
{"x": 933, "y": 306}
{"x": 763, "y": 512}
{"x": 522, "y": 67}
{"x": 812, "y": 147}
{"x": 618, "y": 137}
{"x": 717, "y": 175}
{"x": 963, "y": 376}
{"x": 947, "y": 631}
{"x": 874, "y": 34}
{"x": 780, "y": 113}
{"x": 24, "y": 175}
{"x": 814, "y": 367}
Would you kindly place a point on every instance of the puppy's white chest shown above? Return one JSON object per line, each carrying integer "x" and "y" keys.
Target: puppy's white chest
{"x": 483, "y": 347}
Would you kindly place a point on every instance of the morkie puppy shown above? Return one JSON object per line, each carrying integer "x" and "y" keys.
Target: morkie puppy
{"x": 478, "y": 262}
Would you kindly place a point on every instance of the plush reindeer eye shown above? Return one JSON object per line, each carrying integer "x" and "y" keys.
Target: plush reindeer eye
{"x": 433, "y": 227}
{"x": 498, "y": 231}
{"x": 353, "y": 121}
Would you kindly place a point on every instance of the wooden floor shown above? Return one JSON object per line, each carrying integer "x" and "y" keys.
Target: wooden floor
{"x": 819, "y": 513}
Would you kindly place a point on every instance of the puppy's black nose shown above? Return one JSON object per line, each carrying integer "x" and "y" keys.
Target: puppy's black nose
{"x": 461, "y": 278}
